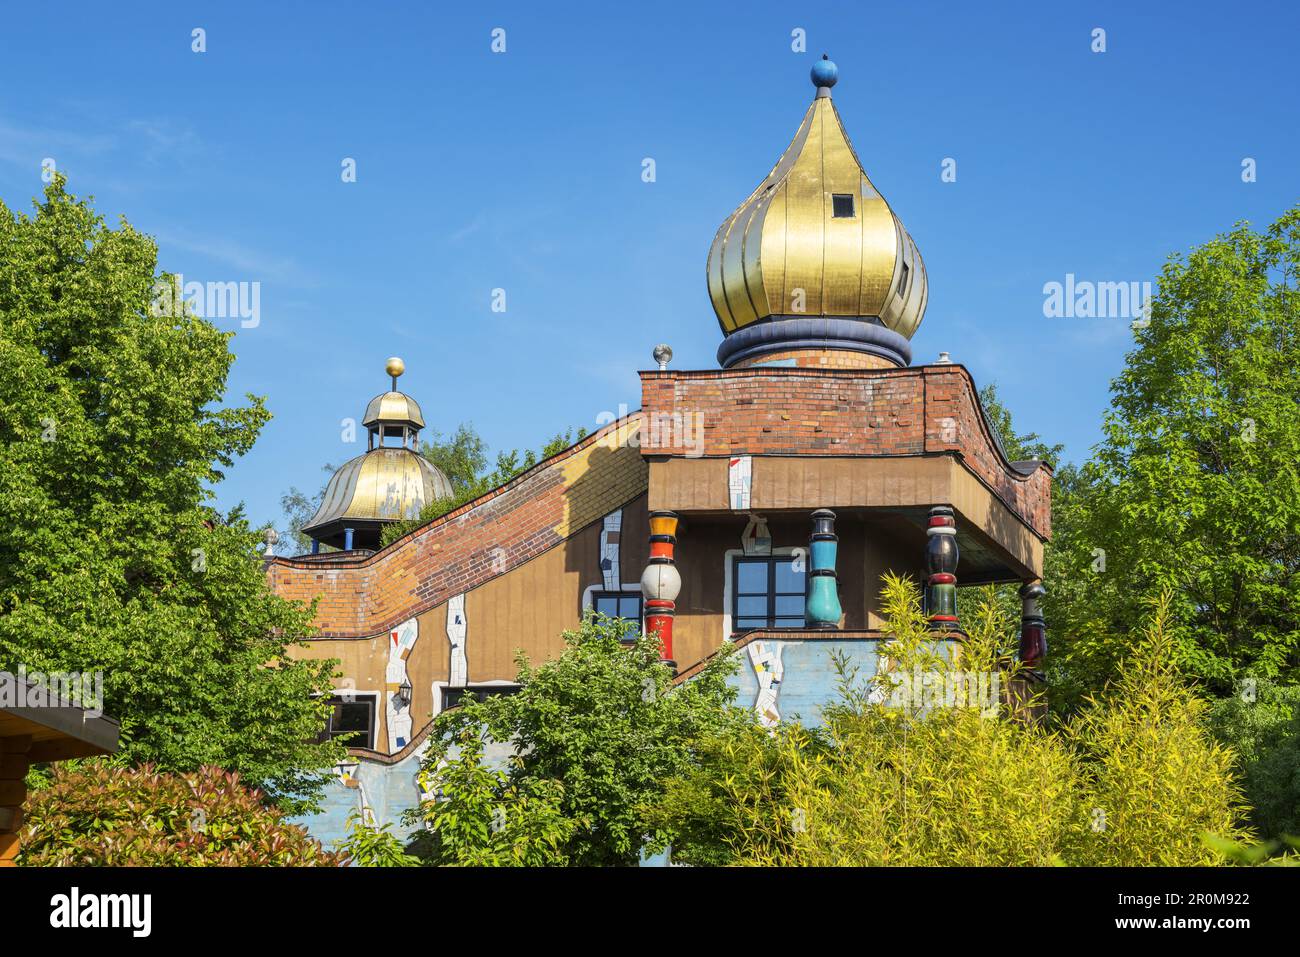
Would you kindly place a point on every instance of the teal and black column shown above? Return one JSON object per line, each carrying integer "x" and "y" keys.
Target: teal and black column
{"x": 941, "y": 556}
{"x": 1033, "y": 628}
{"x": 823, "y": 605}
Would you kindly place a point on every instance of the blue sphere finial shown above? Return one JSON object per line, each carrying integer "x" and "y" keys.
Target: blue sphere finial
{"x": 824, "y": 72}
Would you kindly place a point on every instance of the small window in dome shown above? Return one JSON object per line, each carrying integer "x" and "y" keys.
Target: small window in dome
{"x": 842, "y": 205}
{"x": 902, "y": 282}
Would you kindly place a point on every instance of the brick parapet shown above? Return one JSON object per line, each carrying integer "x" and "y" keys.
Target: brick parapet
{"x": 920, "y": 410}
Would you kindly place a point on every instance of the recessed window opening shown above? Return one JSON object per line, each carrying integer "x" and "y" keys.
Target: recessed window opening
{"x": 619, "y": 604}
{"x": 451, "y": 697}
{"x": 352, "y": 721}
{"x": 769, "y": 592}
{"x": 842, "y": 205}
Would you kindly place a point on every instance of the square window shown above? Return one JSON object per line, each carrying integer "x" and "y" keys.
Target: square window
{"x": 770, "y": 593}
{"x": 625, "y": 605}
{"x": 902, "y": 281}
{"x": 351, "y": 722}
{"x": 842, "y": 205}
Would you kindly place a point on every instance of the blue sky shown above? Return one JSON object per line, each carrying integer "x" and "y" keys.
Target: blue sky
{"x": 522, "y": 171}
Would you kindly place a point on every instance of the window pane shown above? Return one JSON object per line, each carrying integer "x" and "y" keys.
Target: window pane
{"x": 842, "y": 205}
{"x": 789, "y": 606}
{"x": 751, "y": 578}
{"x": 743, "y": 623}
{"x": 630, "y": 608}
{"x": 788, "y": 580}
{"x": 789, "y": 623}
{"x": 607, "y": 606}
{"x": 352, "y": 716}
{"x": 752, "y": 607}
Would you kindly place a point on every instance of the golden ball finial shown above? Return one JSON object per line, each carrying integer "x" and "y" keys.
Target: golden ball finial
{"x": 395, "y": 367}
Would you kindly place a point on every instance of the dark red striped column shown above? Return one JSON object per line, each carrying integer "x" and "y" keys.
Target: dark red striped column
{"x": 1033, "y": 628}
{"x": 941, "y": 558}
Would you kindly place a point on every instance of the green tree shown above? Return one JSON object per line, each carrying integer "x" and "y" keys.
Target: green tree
{"x": 482, "y": 818}
{"x": 1195, "y": 486}
{"x": 595, "y": 735}
{"x": 1261, "y": 723}
{"x": 112, "y": 434}
{"x": 1019, "y": 447}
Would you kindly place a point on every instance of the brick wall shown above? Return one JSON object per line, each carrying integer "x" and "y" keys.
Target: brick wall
{"x": 467, "y": 547}
{"x": 922, "y": 410}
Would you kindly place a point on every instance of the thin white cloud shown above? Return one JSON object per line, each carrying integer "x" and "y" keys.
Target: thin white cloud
{"x": 251, "y": 264}
{"x": 29, "y": 147}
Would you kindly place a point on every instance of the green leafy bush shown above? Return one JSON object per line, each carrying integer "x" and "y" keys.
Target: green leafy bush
{"x": 481, "y": 818}
{"x": 367, "y": 846}
{"x": 99, "y": 814}
{"x": 596, "y": 734}
{"x": 1135, "y": 780}
{"x": 1262, "y": 725}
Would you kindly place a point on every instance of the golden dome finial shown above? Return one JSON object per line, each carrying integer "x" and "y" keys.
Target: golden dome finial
{"x": 815, "y": 258}
{"x": 395, "y": 367}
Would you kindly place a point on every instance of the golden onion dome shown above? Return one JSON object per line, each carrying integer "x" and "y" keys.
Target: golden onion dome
{"x": 387, "y": 483}
{"x": 815, "y": 257}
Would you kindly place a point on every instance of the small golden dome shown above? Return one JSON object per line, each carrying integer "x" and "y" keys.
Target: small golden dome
{"x": 393, "y": 408}
{"x": 387, "y": 483}
{"x": 817, "y": 250}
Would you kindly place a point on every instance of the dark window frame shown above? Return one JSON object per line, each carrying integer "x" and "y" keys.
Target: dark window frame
{"x": 838, "y": 202}
{"x": 370, "y": 701}
{"x": 619, "y": 597}
{"x": 770, "y": 617}
{"x": 451, "y": 697}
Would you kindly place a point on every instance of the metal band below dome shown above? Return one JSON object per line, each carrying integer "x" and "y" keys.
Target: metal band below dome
{"x": 784, "y": 333}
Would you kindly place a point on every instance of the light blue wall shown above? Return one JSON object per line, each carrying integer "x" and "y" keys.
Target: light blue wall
{"x": 809, "y": 682}
{"x": 389, "y": 789}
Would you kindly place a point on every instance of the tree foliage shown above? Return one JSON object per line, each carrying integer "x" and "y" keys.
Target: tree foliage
{"x": 370, "y": 846}
{"x": 1195, "y": 487}
{"x": 594, "y": 735}
{"x": 1261, "y": 723}
{"x": 100, "y": 814}
{"x": 463, "y": 459}
{"x": 112, "y": 434}
{"x": 1136, "y": 780}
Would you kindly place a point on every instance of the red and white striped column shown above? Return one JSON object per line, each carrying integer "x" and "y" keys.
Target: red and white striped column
{"x": 661, "y": 583}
